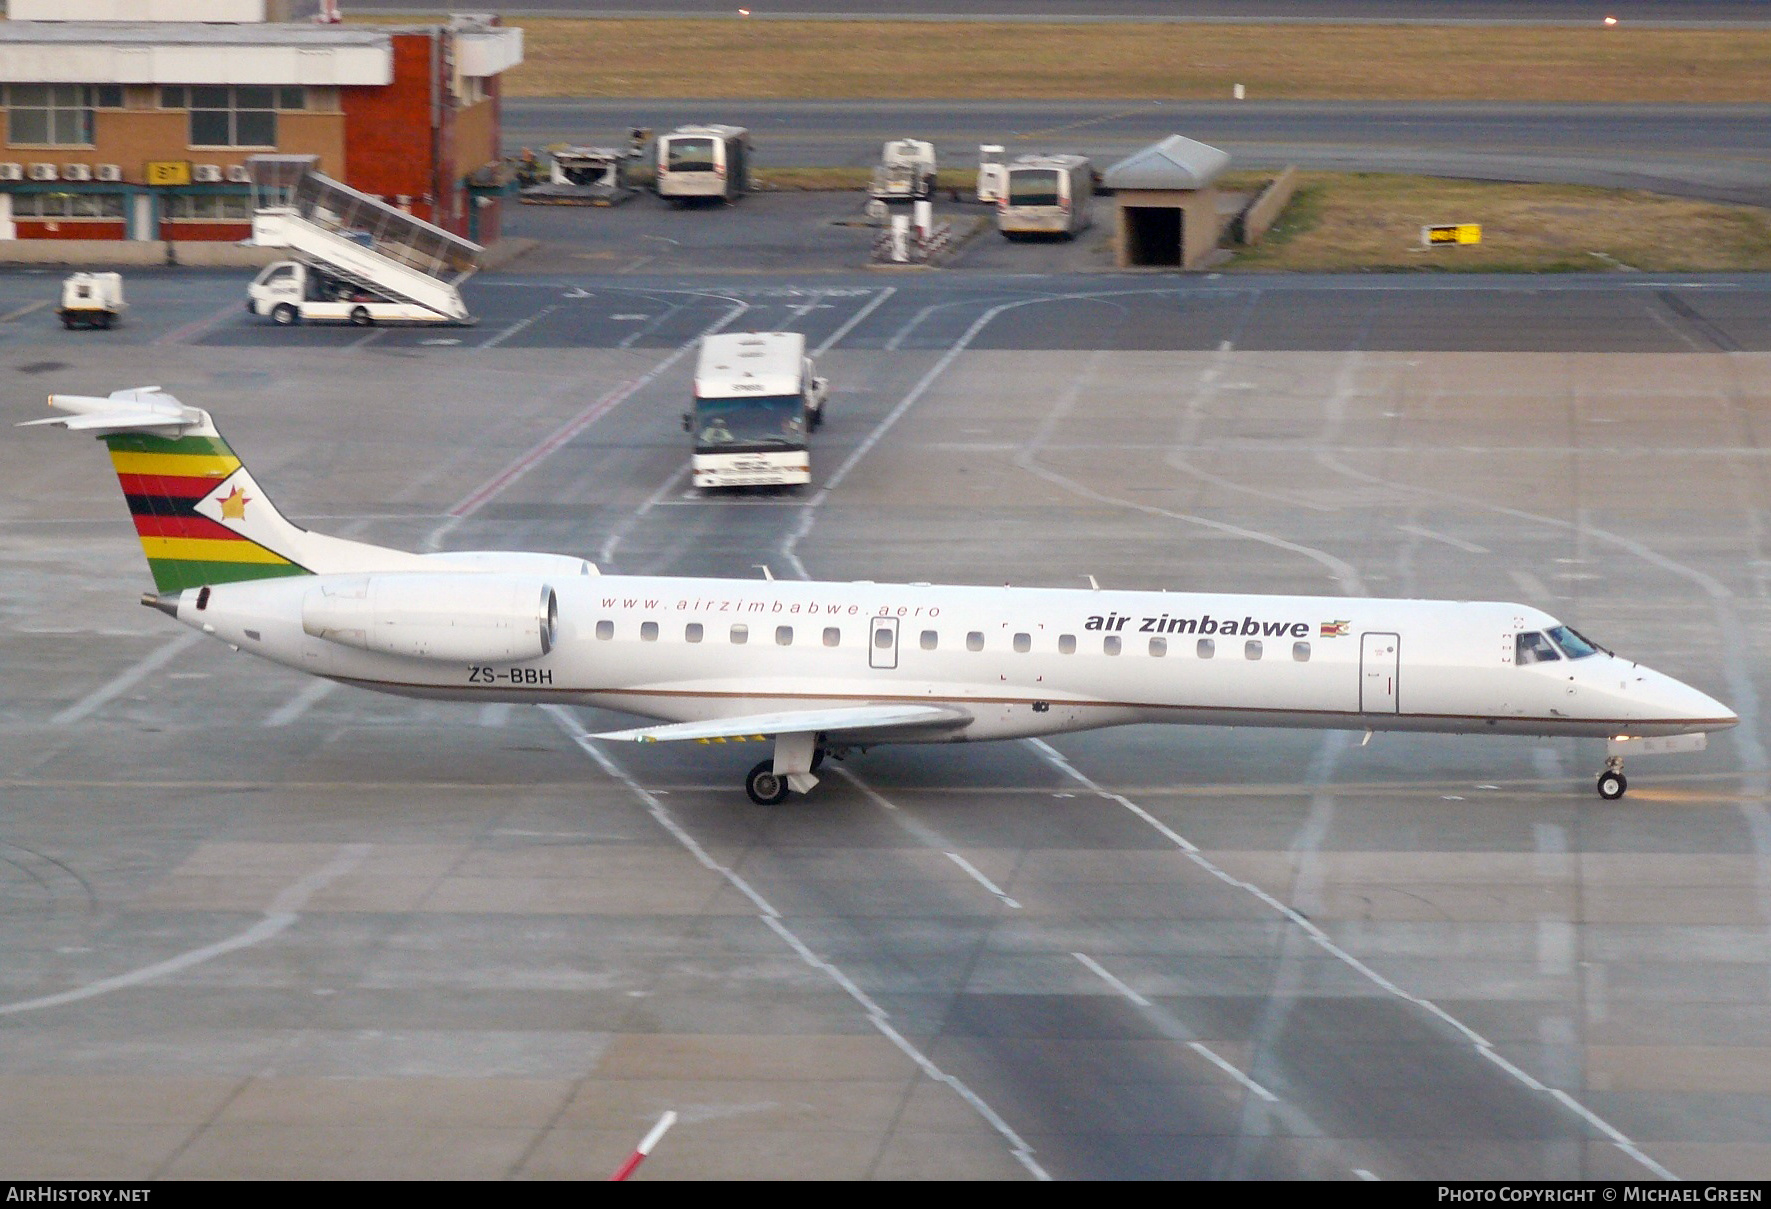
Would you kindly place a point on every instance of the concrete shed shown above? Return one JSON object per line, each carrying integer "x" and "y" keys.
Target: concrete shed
{"x": 1168, "y": 207}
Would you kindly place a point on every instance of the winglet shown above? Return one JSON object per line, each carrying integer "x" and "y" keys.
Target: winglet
{"x": 143, "y": 408}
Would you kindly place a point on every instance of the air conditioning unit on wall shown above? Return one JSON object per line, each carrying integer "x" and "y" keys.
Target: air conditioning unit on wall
{"x": 42, "y": 172}
{"x": 238, "y": 175}
{"x": 12, "y": 172}
{"x": 76, "y": 172}
{"x": 206, "y": 174}
{"x": 108, "y": 172}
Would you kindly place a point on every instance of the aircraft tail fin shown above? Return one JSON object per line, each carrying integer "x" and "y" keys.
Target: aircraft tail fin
{"x": 200, "y": 516}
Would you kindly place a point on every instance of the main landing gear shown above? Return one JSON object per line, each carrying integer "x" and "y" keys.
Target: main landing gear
{"x": 1612, "y": 782}
{"x": 796, "y": 758}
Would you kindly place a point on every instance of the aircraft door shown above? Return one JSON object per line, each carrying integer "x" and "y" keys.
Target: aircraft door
{"x": 1379, "y": 660}
{"x": 882, "y": 643}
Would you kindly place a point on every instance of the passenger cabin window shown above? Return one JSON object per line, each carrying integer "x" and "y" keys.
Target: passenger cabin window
{"x": 974, "y": 641}
{"x": 1251, "y": 649}
{"x": 692, "y": 632}
{"x": 1159, "y": 647}
{"x": 1207, "y": 648}
{"x": 605, "y": 630}
{"x": 930, "y": 640}
{"x": 883, "y": 638}
{"x": 1066, "y": 644}
{"x": 648, "y": 631}
{"x": 1300, "y": 651}
{"x": 1023, "y": 643}
{"x": 832, "y": 636}
{"x": 1533, "y": 647}
{"x": 740, "y": 634}
{"x": 1110, "y": 644}
{"x": 783, "y": 635}
{"x": 1572, "y": 644}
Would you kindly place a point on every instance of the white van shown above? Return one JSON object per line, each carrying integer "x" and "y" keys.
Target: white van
{"x": 1047, "y": 195}
{"x": 704, "y": 161}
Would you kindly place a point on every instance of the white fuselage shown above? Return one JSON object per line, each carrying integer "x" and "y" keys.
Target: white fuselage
{"x": 1017, "y": 661}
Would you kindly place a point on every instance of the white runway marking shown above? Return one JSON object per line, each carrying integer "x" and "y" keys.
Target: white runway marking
{"x": 1323, "y": 941}
{"x": 1455, "y": 542}
{"x": 982, "y": 880}
{"x": 122, "y": 683}
{"x": 923, "y": 833}
{"x": 1102, "y": 973}
{"x": 299, "y": 704}
{"x": 1235, "y": 1074}
{"x": 854, "y": 321}
{"x": 1175, "y": 1029}
{"x": 518, "y": 327}
{"x": 281, "y": 913}
{"x": 771, "y": 918}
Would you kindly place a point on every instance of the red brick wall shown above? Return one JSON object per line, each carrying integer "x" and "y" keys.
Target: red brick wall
{"x": 388, "y": 146}
{"x": 64, "y": 228}
{"x": 192, "y": 229}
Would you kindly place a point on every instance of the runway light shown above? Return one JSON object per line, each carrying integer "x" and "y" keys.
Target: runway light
{"x": 744, "y": 12}
{"x": 1611, "y": 20}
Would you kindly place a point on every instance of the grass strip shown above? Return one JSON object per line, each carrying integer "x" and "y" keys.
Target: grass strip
{"x": 836, "y": 60}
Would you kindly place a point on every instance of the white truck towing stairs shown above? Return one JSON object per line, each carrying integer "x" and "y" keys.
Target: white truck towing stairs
{"x": 354, "y": 258}
{"x": 757, "y": 399}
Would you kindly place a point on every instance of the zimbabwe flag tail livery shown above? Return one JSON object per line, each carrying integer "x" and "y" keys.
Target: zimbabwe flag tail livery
{"x": 201, "y": 518}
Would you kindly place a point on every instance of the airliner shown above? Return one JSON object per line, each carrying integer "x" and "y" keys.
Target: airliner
{"x": 823, "y": 669}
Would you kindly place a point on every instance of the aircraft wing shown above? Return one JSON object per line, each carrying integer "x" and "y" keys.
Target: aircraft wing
{"x": 801, "y": 721}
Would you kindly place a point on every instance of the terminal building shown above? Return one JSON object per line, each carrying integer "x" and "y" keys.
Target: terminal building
{"x": 134, "y": 119}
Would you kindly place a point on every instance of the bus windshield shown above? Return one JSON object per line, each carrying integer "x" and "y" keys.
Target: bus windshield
{"x": 750, "y": 424}
{"x": 1033, "y": 187}
{"x": 690, "y": 155}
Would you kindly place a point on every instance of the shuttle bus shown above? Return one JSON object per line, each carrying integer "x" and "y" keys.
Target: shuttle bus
{"x": 756, "y": 402}
{"x": 704, "y": 161}
{"x": 1046, "y": 195}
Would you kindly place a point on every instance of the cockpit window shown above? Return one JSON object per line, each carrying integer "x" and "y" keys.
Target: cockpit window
{"x": 1533, "y": 647}
{"x": 1572, "y": 644}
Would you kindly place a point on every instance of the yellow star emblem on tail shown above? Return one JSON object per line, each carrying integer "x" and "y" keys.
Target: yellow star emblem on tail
{"x": 233, "y": 505}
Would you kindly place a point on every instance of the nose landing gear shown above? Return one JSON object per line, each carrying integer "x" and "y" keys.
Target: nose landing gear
{"x": 1612, "y": 782}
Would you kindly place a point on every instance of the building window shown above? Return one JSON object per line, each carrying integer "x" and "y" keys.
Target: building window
{"x": 56, "y": 115}
{"x": 67, "y": 205}
{"x": 213, "y": 207}
{"x": 238, "y": 115}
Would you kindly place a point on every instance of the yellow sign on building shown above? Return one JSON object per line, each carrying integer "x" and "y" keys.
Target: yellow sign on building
{"x": 169, "y": 172}
{"x": 1467, "y": 232}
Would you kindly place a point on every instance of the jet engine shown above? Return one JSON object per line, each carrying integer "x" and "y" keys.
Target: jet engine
{"x": 460, "y": 617}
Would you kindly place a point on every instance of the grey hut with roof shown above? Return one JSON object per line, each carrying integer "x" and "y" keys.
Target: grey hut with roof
{"x": 1168, "y": 206}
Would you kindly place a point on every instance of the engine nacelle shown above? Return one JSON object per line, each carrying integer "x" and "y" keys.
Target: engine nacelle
{"x": 455, "y": 616}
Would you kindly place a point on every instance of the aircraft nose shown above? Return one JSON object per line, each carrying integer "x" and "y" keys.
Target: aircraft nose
{"x": 1676, "y": 701}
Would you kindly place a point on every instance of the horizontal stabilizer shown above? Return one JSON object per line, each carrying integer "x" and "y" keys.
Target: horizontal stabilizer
{"x": 803, "y": 721}
{"x": 143, "y": 408}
